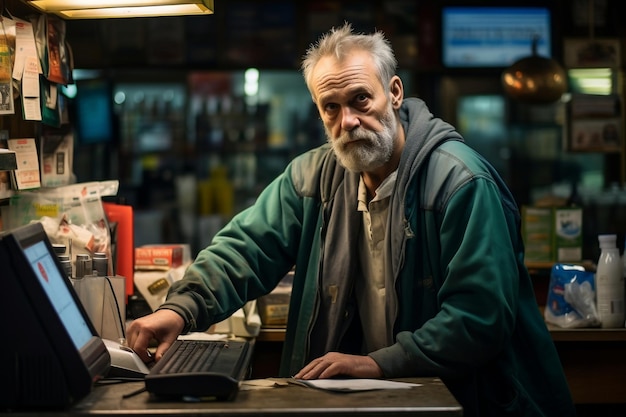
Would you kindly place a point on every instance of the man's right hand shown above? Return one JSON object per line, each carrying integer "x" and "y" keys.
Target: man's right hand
{"x": 164, "y": 326}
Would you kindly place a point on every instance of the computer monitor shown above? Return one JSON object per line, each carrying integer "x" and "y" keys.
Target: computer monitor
{"x": 95, "y": 121}
{"x": 493, "y": 36}
{"x": 51, "y": 355}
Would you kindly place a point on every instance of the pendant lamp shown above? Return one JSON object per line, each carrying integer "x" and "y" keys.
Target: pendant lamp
{"x": 535, "y": 79}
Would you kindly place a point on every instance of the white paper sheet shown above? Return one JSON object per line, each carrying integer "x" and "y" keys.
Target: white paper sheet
{"x": 352, "y": 384}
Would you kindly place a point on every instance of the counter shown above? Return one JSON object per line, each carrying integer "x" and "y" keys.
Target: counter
{"x": 594, "y": 361}
{"x": 432, "y": 398}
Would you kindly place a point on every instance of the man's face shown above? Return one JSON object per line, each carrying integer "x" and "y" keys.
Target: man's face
{"x": 358, "y": 118}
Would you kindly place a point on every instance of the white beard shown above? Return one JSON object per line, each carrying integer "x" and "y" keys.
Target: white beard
{"x": 374, "y": 148}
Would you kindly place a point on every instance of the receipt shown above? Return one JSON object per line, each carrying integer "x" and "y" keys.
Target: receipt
{"x": 352, "y": 384}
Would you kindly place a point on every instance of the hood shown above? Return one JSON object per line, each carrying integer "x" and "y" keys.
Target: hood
{"x": 423, "y": 132}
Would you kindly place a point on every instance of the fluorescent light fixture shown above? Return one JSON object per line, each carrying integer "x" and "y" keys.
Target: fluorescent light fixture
{"x": 100, "y": 9}
{"x": 592, "y": 80}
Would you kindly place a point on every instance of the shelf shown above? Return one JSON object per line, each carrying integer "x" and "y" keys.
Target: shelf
{"x": 587, "y": 334}
{"x": 534, "y": 266}
{"x": 277, "y": 334}
{"x": 272, "y": 334}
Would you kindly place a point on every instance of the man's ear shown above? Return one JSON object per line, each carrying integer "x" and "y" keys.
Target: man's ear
{"x": 396, "y": 92}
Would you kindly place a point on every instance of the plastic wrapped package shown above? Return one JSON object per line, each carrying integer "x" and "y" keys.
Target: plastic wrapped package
{"x": 72, "y": 215}
{"x": 571, "y": 297}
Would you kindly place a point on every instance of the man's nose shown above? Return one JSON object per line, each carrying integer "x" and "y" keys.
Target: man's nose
{"x": 349, "y": 119}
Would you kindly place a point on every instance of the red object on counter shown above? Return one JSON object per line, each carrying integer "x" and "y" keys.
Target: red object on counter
{"x": 124, "y": 242}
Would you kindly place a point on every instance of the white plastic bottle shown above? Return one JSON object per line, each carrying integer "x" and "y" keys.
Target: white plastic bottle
{"x": 610, "y": 283}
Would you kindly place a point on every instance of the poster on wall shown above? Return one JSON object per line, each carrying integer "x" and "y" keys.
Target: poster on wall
{"x": 595, "y": 123}
{"x": 7, "y": 48}
{"x": 603, "y": 135}
{"x": 592, "y": 53}
{"x": 26, "y": 176}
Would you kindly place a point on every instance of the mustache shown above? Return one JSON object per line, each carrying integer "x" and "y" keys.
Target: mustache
{"x": 356, "y": 134}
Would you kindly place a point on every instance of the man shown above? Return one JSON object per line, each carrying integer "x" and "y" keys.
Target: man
{"x": 407, "y": 248}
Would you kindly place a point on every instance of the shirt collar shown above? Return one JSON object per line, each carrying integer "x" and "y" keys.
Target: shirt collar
{"x": 383, "y": 191}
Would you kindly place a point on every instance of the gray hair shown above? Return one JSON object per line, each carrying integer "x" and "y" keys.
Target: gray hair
{"x": 340, "y": 41}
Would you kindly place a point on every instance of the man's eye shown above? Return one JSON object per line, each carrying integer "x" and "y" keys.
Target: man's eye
{"x": 361, "y": 101}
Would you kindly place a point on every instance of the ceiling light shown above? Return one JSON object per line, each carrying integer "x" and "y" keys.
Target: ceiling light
{"x": 100, "y": 9}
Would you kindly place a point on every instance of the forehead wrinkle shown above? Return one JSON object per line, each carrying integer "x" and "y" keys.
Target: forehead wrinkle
{"x": 355, "y": 77}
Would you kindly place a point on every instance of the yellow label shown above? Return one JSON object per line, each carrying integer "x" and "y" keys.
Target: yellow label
{"x": 50, "y": 210}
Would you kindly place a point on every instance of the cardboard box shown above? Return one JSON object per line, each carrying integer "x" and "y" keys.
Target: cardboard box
{"x": 154, "y": 284}
{"x": 162, "y": 257}
{"x": 274, "y": 307}
{"x": 244, "y": 322}
{"x": 552, "y": 234}
{"x": 568, "y": 234}
{"x": 537, "y": 233}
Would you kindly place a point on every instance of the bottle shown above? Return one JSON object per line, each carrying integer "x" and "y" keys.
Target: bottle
{"x": 100, "y": 264}
{"x": 610, "y": 283}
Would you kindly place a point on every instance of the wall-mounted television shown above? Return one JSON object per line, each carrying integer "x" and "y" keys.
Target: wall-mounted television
{"x": 493, "y": 36}
{"x": 94, "y": 111}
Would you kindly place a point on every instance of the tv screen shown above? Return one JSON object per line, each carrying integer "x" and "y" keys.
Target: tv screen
{"x": 54, "y": 354}
{"x": 493, "y": 37}
{"x": 94, "y": 111}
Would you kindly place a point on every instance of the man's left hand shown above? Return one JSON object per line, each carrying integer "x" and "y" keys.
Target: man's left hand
{"x": 340, "y": 364}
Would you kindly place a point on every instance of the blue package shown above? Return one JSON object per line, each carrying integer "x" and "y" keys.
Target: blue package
{"x": 571, "y": 297}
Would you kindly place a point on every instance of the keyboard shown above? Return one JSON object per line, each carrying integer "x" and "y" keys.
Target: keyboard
{"x": 201, "y": 368}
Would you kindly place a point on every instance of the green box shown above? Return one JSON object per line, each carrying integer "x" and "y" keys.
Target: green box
{"x": 552, "y": 234}
{"x": 537, "y": 233}
{"x": 568, "y": 234}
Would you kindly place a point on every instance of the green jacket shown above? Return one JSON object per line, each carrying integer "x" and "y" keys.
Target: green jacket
{"x": 463, "y": 308}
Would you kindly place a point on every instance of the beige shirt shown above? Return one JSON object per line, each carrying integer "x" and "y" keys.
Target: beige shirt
{"x": 370, "y": 289}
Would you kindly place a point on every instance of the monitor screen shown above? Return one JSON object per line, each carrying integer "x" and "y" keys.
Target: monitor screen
{"x": 491, "y": 36}
{"x": 94, "y": 111}
{"x": 53, "y": 283}
{"x": 55, "y": 354}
